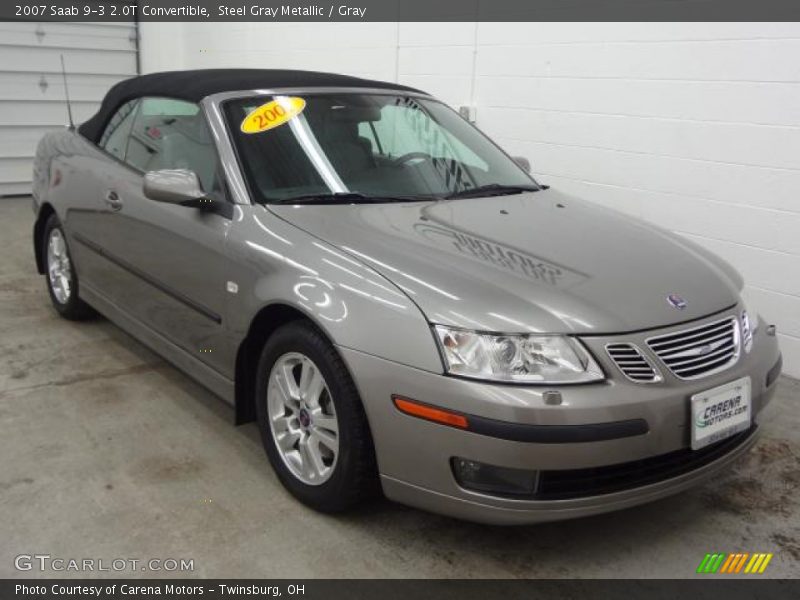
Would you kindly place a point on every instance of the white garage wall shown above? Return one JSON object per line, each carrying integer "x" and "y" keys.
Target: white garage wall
{"x": 695, "y": 127}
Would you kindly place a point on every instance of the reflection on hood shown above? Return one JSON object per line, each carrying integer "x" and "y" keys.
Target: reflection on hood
{"x": 500, "y": 255}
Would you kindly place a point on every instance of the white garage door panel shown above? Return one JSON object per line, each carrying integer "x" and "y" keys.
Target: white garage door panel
{"x": 15, "y": 169}
{"x": 25, "y": 59}
{"x": 44, "y": 112}
{"x": 21, "y": 141}
{"x": 16, "y": 189}
{"x": 66, "y": 35}
{"x": 32, "y": 98}
{"x": 50, "y": 86}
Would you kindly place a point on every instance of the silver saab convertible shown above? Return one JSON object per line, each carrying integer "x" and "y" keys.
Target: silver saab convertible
{"x": 396, "y": 301}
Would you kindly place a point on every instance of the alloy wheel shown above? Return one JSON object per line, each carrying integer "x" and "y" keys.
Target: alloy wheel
{"x": 59, "y": 269}
{"x": 302, "y": 418}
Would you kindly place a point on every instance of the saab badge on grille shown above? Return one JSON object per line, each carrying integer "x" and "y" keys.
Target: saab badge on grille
{"x": 676, "y": 301}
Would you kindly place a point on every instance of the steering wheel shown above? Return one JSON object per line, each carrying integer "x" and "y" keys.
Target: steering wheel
{"x": 401, "y": 160}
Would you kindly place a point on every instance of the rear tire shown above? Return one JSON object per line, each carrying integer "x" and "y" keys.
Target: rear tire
{"x": 60, "y": 275}
{"x": 312, "y": 422}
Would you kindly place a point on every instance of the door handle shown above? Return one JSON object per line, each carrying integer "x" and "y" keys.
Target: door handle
{"x": 113, "y": 200}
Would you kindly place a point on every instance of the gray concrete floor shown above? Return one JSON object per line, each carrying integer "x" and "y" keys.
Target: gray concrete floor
{"x": 109, "y": 452}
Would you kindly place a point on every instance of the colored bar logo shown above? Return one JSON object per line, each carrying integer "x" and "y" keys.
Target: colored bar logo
{"x": 735, "y": 563}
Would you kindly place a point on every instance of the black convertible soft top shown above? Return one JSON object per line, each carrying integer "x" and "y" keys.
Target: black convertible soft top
{"x": 196, "y": 85}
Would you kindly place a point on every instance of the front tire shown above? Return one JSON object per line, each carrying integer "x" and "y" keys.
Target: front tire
{"x": 312, "y": 422}
{"x": 62, "y": 280}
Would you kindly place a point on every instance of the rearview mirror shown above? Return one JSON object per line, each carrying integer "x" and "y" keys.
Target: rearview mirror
{"x": 523, "y": 162}
{"x": 174, "y": 186}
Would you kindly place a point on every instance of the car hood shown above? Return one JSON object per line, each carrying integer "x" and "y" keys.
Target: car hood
{"x": 533, "y": 262}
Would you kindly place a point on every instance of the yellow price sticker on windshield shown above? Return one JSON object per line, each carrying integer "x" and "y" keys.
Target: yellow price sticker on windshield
{"x": 272, "y": 114}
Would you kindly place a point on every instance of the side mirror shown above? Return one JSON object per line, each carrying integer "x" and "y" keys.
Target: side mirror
{"x": 523, "y": 162}
{"x": 174, "y": 186}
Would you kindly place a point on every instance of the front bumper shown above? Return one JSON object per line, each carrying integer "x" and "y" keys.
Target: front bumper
{"x": 414, "y": 456}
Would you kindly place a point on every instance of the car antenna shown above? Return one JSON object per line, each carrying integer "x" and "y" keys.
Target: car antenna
{"x": 66, "y": 93}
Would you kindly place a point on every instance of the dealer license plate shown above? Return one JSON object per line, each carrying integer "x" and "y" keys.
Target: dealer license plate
{"x": 720, "y": 412}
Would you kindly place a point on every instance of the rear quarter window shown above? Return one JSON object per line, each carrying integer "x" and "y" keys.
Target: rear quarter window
{"x": 115, "y": 137}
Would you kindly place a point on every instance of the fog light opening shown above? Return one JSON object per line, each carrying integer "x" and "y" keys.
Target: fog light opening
{"x": 489, "y": 479}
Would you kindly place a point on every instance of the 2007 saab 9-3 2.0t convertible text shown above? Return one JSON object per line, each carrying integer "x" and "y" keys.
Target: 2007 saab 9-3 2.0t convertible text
{"x": 396, "y": 301}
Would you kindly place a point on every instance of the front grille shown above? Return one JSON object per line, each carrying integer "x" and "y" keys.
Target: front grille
{"x": 699, "y": 351}
{"x": 633, "y": 364}
{"x": 579, "y": 483}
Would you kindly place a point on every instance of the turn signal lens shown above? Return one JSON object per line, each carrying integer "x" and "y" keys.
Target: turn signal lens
{"x": 429, "y": 413}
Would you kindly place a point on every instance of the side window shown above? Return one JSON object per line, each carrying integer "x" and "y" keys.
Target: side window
{"x": 115, "y": 137}
{"x": 173, "y": 134}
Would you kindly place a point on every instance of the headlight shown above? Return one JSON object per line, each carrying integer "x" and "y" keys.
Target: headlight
{"x": 519, "y": 358}
{"x": 749, "y": 322}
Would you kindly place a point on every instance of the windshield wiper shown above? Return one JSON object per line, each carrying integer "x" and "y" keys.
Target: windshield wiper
{"x": 347, "y": 198}
{"x": 493, "y": 189}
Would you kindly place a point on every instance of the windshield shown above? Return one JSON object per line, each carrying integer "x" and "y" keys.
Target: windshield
{"x": 377, "y": 146}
